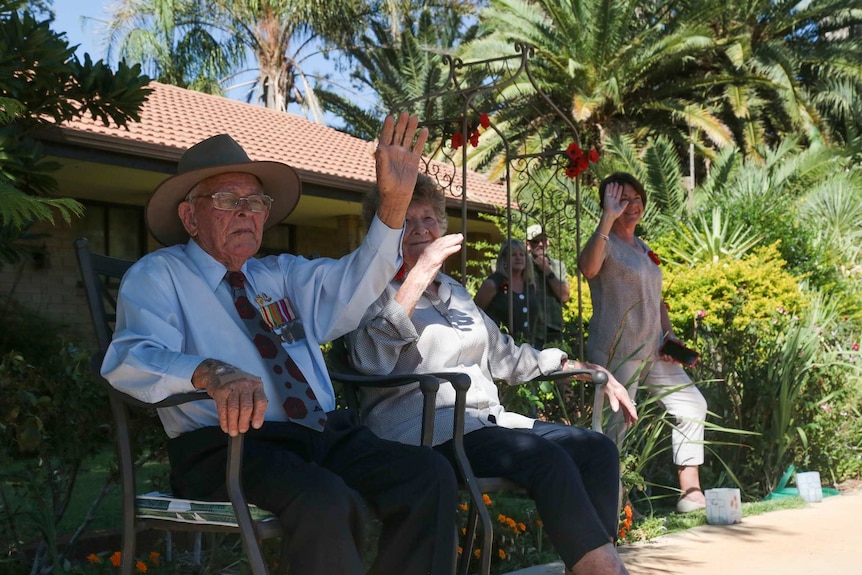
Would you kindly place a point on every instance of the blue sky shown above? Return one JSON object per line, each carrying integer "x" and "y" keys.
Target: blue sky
{"x": 69, "y": 20}
{"x": 80, "y": 20}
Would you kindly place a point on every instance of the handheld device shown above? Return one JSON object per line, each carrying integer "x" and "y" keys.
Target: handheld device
{"x": 687, "y": 357}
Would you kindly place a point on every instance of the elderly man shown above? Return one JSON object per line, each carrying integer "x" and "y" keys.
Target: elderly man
{"x": 553, "y": 287}
{"x": 186, "y": 320}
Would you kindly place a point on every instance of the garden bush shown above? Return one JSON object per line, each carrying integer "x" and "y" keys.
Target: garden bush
{"x": 53, "y": 417}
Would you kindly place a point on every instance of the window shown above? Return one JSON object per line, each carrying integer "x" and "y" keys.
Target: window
{"x": 115, "y": 230}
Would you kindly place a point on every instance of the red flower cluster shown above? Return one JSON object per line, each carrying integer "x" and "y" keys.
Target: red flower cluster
{"x": 654, "y": 258}
{"x": 579, "y": 161}
{"x": 458, "y": 137}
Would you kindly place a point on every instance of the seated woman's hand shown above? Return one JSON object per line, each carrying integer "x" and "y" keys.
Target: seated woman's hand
{"x": 435, "y": 255}
{"x": 618, "y": 398}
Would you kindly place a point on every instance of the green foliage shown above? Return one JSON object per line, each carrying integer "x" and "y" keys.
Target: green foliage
{"x": 736, "y": 299}
{"x": 43, "y": 83}
{"x": 52, "y": 416}
{"x": 709, "y": 241}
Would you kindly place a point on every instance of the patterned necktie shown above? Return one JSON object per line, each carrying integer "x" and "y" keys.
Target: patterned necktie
{"x": 300, "y": 404}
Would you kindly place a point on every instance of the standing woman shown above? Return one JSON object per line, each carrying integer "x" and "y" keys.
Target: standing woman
{"x": 630, "y": 323}
{"x": 493, "y": 295}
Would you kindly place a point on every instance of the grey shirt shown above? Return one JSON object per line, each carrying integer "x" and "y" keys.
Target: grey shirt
{"x": 447, "y": 332}
{"x": 627, "y": 300}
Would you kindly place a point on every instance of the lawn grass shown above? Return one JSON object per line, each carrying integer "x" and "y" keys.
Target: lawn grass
{"x": 92, "y": 477}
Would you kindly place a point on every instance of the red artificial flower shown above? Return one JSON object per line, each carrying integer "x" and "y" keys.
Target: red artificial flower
{"x": 574, "y": 151}
{"x": 583, "y": 163}
{"x": 474, "y": 138}
{"x": 654, "y": 258}
{"x": 457, "y": 140}
{"x": 572, "y": 171}
{"x": 594, "y": 156}
{"x": 402, "y": 273}
{"x": 484, "y": 121}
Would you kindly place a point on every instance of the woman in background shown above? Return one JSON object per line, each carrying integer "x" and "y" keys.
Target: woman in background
{"x": 493, "y": 295}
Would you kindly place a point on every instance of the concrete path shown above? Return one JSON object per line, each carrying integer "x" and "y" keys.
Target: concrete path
{"x": 820, "y": 539}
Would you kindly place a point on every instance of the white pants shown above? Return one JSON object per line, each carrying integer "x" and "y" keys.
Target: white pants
{"x": 686, "y": 405}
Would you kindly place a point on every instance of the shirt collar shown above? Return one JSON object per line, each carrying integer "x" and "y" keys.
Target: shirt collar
{"x": 211, "y": 270}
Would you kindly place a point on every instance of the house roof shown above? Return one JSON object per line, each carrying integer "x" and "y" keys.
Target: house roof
{"x": 173, "y": 118}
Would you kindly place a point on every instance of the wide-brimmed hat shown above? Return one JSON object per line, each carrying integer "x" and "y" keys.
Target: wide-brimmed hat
{"x": 535, "y": 231}
{"x": 211, "y": 157}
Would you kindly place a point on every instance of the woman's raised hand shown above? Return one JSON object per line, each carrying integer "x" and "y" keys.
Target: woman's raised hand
{"x": 399, "y": 149}
{"x": 612, "y": 204}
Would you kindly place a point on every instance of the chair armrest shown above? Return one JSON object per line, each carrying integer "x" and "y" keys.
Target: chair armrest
{"x": 596, "y": 376}
{"x": 428, "y": 385}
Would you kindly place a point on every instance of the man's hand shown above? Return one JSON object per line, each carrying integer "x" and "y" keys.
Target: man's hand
{"x": 239, "y": 396}
{"x": 399, "y": 150}
{"x": 543, "y": 262}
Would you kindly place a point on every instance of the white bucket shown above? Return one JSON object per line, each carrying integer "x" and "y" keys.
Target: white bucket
{"x": 723, "y": 506}
{"x": 809, "y": 486}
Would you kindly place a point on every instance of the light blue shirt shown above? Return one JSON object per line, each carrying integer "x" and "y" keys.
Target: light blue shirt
{"x": 175, "y": 310}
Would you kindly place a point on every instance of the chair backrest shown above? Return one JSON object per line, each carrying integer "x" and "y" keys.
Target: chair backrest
{"x": 101, "y": 276}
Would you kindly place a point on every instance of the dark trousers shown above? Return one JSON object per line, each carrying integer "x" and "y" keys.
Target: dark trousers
{"x": 571, "y": 473}
{"x": 311, "y": 479}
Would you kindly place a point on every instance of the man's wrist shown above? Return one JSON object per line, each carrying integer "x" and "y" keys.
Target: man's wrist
{"x": 211, "y": 371}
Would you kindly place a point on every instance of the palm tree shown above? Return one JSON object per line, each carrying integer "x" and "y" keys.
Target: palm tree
{"x": 206, "y": 42}
{"x": 708, "y": 74}
{"x": 795, "y": 69}
{"x": 405, "y": 70}
{"x": 613, "y": 67}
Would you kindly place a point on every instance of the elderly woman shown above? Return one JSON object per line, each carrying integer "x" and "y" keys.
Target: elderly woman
{"x": 492, "y": 297}
{"x": 425, "y": 321}
{"x": 630, "y": 323}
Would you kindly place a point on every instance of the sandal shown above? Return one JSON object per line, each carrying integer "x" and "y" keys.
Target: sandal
{"x": 686, "y": 505}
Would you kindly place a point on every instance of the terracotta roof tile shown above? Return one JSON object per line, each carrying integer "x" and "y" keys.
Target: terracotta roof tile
{"x": 173, "y": 119}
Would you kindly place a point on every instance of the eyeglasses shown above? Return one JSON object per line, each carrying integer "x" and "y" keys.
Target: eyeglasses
{"x": 229, "y": 201}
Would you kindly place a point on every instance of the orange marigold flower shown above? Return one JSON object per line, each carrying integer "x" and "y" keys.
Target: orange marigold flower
{"x": 486, "y": 499}
{"x": 140, "y": 567}
{"x": 510, "y": 522}
{"x": 501, "y": 518}
{"x": 522, "y": 527}
{"x": 501, "y": 553}
{"x": 463, "y": 507}
{"x": 93, "y": 558}
{"x": 622, "y": 533}
{"x": 539, "y": 523}
{"x": 477, "y": 553}
{"x": 463, "y": 531}
{"x": 628, "y": 511}
{"x": 460, "y": 550}
{"x": 116, "y": 559}
{"x": 154, "y": 557}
